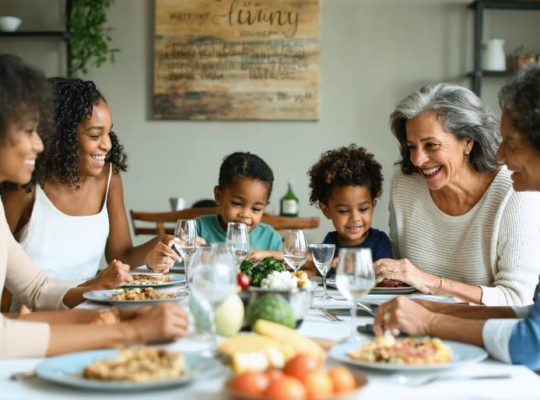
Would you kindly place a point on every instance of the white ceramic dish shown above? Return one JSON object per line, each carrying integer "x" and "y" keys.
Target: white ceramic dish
{"x": 9, "y": 24}
{"x": 105, "y": 296}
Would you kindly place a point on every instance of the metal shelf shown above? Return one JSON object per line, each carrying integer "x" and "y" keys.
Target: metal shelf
{"x": 61, "y": 34}
{"x": 508, "y": 4}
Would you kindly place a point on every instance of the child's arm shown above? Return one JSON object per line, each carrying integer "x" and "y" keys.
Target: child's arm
{"x": 258, "y": 255}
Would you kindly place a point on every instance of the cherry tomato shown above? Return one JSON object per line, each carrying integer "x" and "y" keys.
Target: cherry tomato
{"x": 300, "y": 365}
{"x": 318, "y": 384}
{"x": 342, "y": 378}
{"x": 242, "y": 280}
{"x": 251, "y": 383}
{"x": 286, "y": 388}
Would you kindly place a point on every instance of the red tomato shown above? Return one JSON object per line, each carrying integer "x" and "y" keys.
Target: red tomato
{"x": 251, "y": 383}
{"x": 342, "y": 378}
{"x": 242, "y": 280}
{"x": 274, "y": 375}
{"x": 318, "y": 384}
{"x": 300, "y": 365}
{"x": 286, "y": 388}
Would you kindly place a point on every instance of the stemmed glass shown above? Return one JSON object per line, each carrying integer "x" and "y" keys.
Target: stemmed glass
{"x": 185, "y": 242}
{"x": 354, "y": 278}
{"x": 295, "y": 248}
{"x": 214, "y": 279}
{"x": 323, "y": 255}
{"x": 238, "y": 238}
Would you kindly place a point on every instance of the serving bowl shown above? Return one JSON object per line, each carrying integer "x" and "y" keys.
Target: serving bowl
{"x": 9, "y": 24}
{"x": 300, "y": 300}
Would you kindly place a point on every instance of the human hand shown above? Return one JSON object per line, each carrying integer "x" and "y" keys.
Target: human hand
{"x": 403, "y": 270}
{"x": 162, "y": 257}
{"x": 259, "y": 255}
{"x": 402, "y": 315}
{"x": 164, "y": 322}
{"x": 113, "y": 276}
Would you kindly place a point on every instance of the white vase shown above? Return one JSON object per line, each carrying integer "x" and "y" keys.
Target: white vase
{"x": 494, "y": 57}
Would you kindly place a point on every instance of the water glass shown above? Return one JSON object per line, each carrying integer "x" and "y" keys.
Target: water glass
{"x": 323, "y": 254}
{"x": 214, "y": 278}
{"x": 295, "y": 248}
{"x": 354, "y": 278}
{"x": 238, "y": 238}
{"x": 185, "y": 242}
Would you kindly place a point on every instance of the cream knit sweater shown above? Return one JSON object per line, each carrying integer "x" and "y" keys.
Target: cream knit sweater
{"x": 495, "y": 245}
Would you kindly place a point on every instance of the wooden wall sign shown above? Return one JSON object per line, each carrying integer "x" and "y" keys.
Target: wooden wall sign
{"x": 236, "y": 59}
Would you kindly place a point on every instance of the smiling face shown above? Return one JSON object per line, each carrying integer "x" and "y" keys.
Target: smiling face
{"x": 19, "y": 150}
{"x": 94, "y": 140}
{"x": 437, "y": 154}
{"x": 351, "y": 209}
{"x": 242, "y": 201}
{"x": 520, "y": 156}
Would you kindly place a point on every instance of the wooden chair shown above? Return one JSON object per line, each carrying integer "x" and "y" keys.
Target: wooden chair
{"x": 160, "y": 223}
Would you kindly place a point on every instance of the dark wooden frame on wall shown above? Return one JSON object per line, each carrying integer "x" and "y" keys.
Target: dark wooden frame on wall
{"x": 236, "y": 59}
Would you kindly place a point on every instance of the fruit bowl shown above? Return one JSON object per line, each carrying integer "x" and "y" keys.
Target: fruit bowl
{"x": 300, "y": 300}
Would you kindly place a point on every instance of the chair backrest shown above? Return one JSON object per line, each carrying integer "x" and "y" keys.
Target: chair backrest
{"x": 160, "y": 223}
{"x": 280, "y": 223}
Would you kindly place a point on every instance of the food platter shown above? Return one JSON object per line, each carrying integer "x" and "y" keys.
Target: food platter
{"x": 154, "y": 279}
{"x": 462, "y": 354}
{"x": 106, "y": 296}
{"x": 380, "y": 290}
{"x": 67, "y": 370}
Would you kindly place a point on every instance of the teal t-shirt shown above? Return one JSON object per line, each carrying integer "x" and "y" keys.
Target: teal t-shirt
{"x": 262, "y": 237}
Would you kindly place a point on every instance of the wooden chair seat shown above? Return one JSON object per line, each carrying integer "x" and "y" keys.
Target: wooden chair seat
{"x": 160, "y": 223}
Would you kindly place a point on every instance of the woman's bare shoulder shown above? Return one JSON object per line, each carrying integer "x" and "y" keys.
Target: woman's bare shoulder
{"x": 18, "y": 206}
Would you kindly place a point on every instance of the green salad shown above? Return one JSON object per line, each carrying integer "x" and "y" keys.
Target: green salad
{"x": 256, "y": 271}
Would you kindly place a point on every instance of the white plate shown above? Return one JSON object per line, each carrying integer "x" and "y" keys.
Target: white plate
{"x": 176, "y": 279}
{"x": 462, "y": 353}
{"x": 105, "y": 296}
{"x": 67, "y": 370}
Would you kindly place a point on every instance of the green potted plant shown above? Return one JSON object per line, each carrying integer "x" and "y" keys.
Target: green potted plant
{"x": 90, "y": 37}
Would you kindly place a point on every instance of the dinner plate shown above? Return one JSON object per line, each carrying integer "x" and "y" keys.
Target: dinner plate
{"x": 462, "y": 353}
{"x": 380, "y": 290}
{"x": 105, "y": 296}
{"x": 176, "y": 279}
{"x": 67, "y": 370}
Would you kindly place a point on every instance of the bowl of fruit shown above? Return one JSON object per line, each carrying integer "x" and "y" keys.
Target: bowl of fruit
{"x": 274, "y": 293}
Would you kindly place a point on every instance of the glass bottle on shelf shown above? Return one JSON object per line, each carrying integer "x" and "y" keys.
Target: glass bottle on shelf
{"x": 289, "y": 205}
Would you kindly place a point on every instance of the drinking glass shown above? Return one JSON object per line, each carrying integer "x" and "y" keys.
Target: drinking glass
{"x": 185, "y": 242}
{"x": 238, "y": 238}
{"x": 354, "y": 278}
{"x": 295, "y": 248}
{"x": 323, "y": 254}
{"x": 214, "y": 279}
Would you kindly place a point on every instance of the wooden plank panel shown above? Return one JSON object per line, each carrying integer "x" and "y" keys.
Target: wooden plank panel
{"x": 236, "y": 59}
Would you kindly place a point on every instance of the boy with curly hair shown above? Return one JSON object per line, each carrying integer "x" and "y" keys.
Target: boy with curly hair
{"x": 345, "y": 184}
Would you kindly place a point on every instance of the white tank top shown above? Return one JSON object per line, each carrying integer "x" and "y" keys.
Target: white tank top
{"x": 65, "y": 246}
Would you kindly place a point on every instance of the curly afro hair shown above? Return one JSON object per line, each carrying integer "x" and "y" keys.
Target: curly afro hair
{"x": 345, "y": 166}
{"x": 74, "y": 99}
{"x": 245, "y": 165}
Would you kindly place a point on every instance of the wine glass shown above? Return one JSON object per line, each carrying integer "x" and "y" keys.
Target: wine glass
{"x": 354, "y": 278}
{"x": 238, "y": 238}
{"x": 323, "y": 255}
{"x": 185, "y": 242}
{"x": 214, "y": 279}
{"x": 295, "y": 248}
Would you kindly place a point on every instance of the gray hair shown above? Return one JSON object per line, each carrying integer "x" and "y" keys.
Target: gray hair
{"x": 520, "y": 98}
{"x": 461, "y": 113}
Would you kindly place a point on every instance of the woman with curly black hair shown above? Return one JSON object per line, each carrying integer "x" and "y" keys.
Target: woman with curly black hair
{"x": 346, "y": 183}
{"x": 74, "y": 211}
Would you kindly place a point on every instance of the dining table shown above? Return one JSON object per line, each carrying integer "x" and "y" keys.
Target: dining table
{"x": 513, "y": 382}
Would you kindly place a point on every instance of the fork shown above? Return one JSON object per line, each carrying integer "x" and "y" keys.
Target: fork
{"x": 330, "y": 314}
{"x": 425, "y": 380}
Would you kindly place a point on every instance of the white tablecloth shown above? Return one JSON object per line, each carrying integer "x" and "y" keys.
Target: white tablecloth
{"x": 524, "y": 384}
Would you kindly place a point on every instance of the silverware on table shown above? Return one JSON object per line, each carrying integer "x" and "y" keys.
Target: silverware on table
{"x": 425, "y": 380}
{"x": 330, "y": 314}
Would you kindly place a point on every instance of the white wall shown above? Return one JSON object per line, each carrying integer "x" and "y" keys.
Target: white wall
{"x": 373, "y": 53}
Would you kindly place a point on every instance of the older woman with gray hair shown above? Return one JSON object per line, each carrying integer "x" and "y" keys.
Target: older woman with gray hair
{"x": 457, "y": 226}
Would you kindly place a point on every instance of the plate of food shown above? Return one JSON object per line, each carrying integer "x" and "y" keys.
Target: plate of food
{"x": 129, "y": 369}
{"x": 403, "y": 288}
{"x": 136, "y": 296}
{"x": 410, "y": 354}
{"x": 154, "y": 279}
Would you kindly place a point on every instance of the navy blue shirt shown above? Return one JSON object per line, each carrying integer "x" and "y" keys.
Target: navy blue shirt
{"x": 376, "y": 240}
